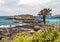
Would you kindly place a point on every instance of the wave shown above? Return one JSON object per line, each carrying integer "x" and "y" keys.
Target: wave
{"x": 11, "y": 26}
{"x": 7, "y": 26}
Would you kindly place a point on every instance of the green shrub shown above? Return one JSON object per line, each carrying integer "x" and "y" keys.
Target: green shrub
{"x": 50, "y": 36}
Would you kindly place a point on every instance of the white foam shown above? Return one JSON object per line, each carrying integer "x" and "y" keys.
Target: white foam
{"x": 8, "y": 26}
{"x": 20, "y": 24}
{"x": 13, "y": 25}
{"x": 4, "y": 26}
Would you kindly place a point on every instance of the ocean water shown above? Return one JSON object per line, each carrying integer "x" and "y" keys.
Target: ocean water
{"x": 53, "y": 19}
{"x": 4, "y": 21}
{"x": 49, "y": 19}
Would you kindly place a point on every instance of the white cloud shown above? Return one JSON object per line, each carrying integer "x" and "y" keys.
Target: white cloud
{"x": 2, "y": 1}
{"x": 33, "y": 2}
{"x": 10, "y": 7}
{"x": 6, "y": 9}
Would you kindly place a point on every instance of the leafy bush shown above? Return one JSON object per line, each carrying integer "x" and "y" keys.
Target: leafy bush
{"x": 52, "y": 35}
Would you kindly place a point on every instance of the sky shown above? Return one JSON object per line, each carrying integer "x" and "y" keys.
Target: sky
{"x": 18, "y": 7}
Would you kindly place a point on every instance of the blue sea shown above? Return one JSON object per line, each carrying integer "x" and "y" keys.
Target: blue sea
{"x": 49, "y": 19}
{"x": 4, "y": 21}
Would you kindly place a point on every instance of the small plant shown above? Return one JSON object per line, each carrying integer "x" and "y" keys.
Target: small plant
{"x": 52, "y": 35}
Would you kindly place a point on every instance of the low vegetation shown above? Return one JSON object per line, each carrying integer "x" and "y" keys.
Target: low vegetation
{"x": 50, "y": 35}
{"x": 25, "y": 16}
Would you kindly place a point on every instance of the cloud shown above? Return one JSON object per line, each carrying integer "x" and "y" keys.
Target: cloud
{"x": 33, "y": 8}
{"x": 33, "y": 2}
{"x": 2, "y": 1}
{"x": 10, "y": 10}
{"x": 13, "y": 7}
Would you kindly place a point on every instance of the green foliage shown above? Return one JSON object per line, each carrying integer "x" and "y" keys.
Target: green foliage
{"x": 52, "y": 35}
{"x": 26, "y": 16}
{"x": 44, "y": 12}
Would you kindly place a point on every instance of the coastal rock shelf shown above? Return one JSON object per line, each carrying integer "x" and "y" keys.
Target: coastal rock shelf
{"x": 18, "y": 27}
{"x": 10, "y": 32}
